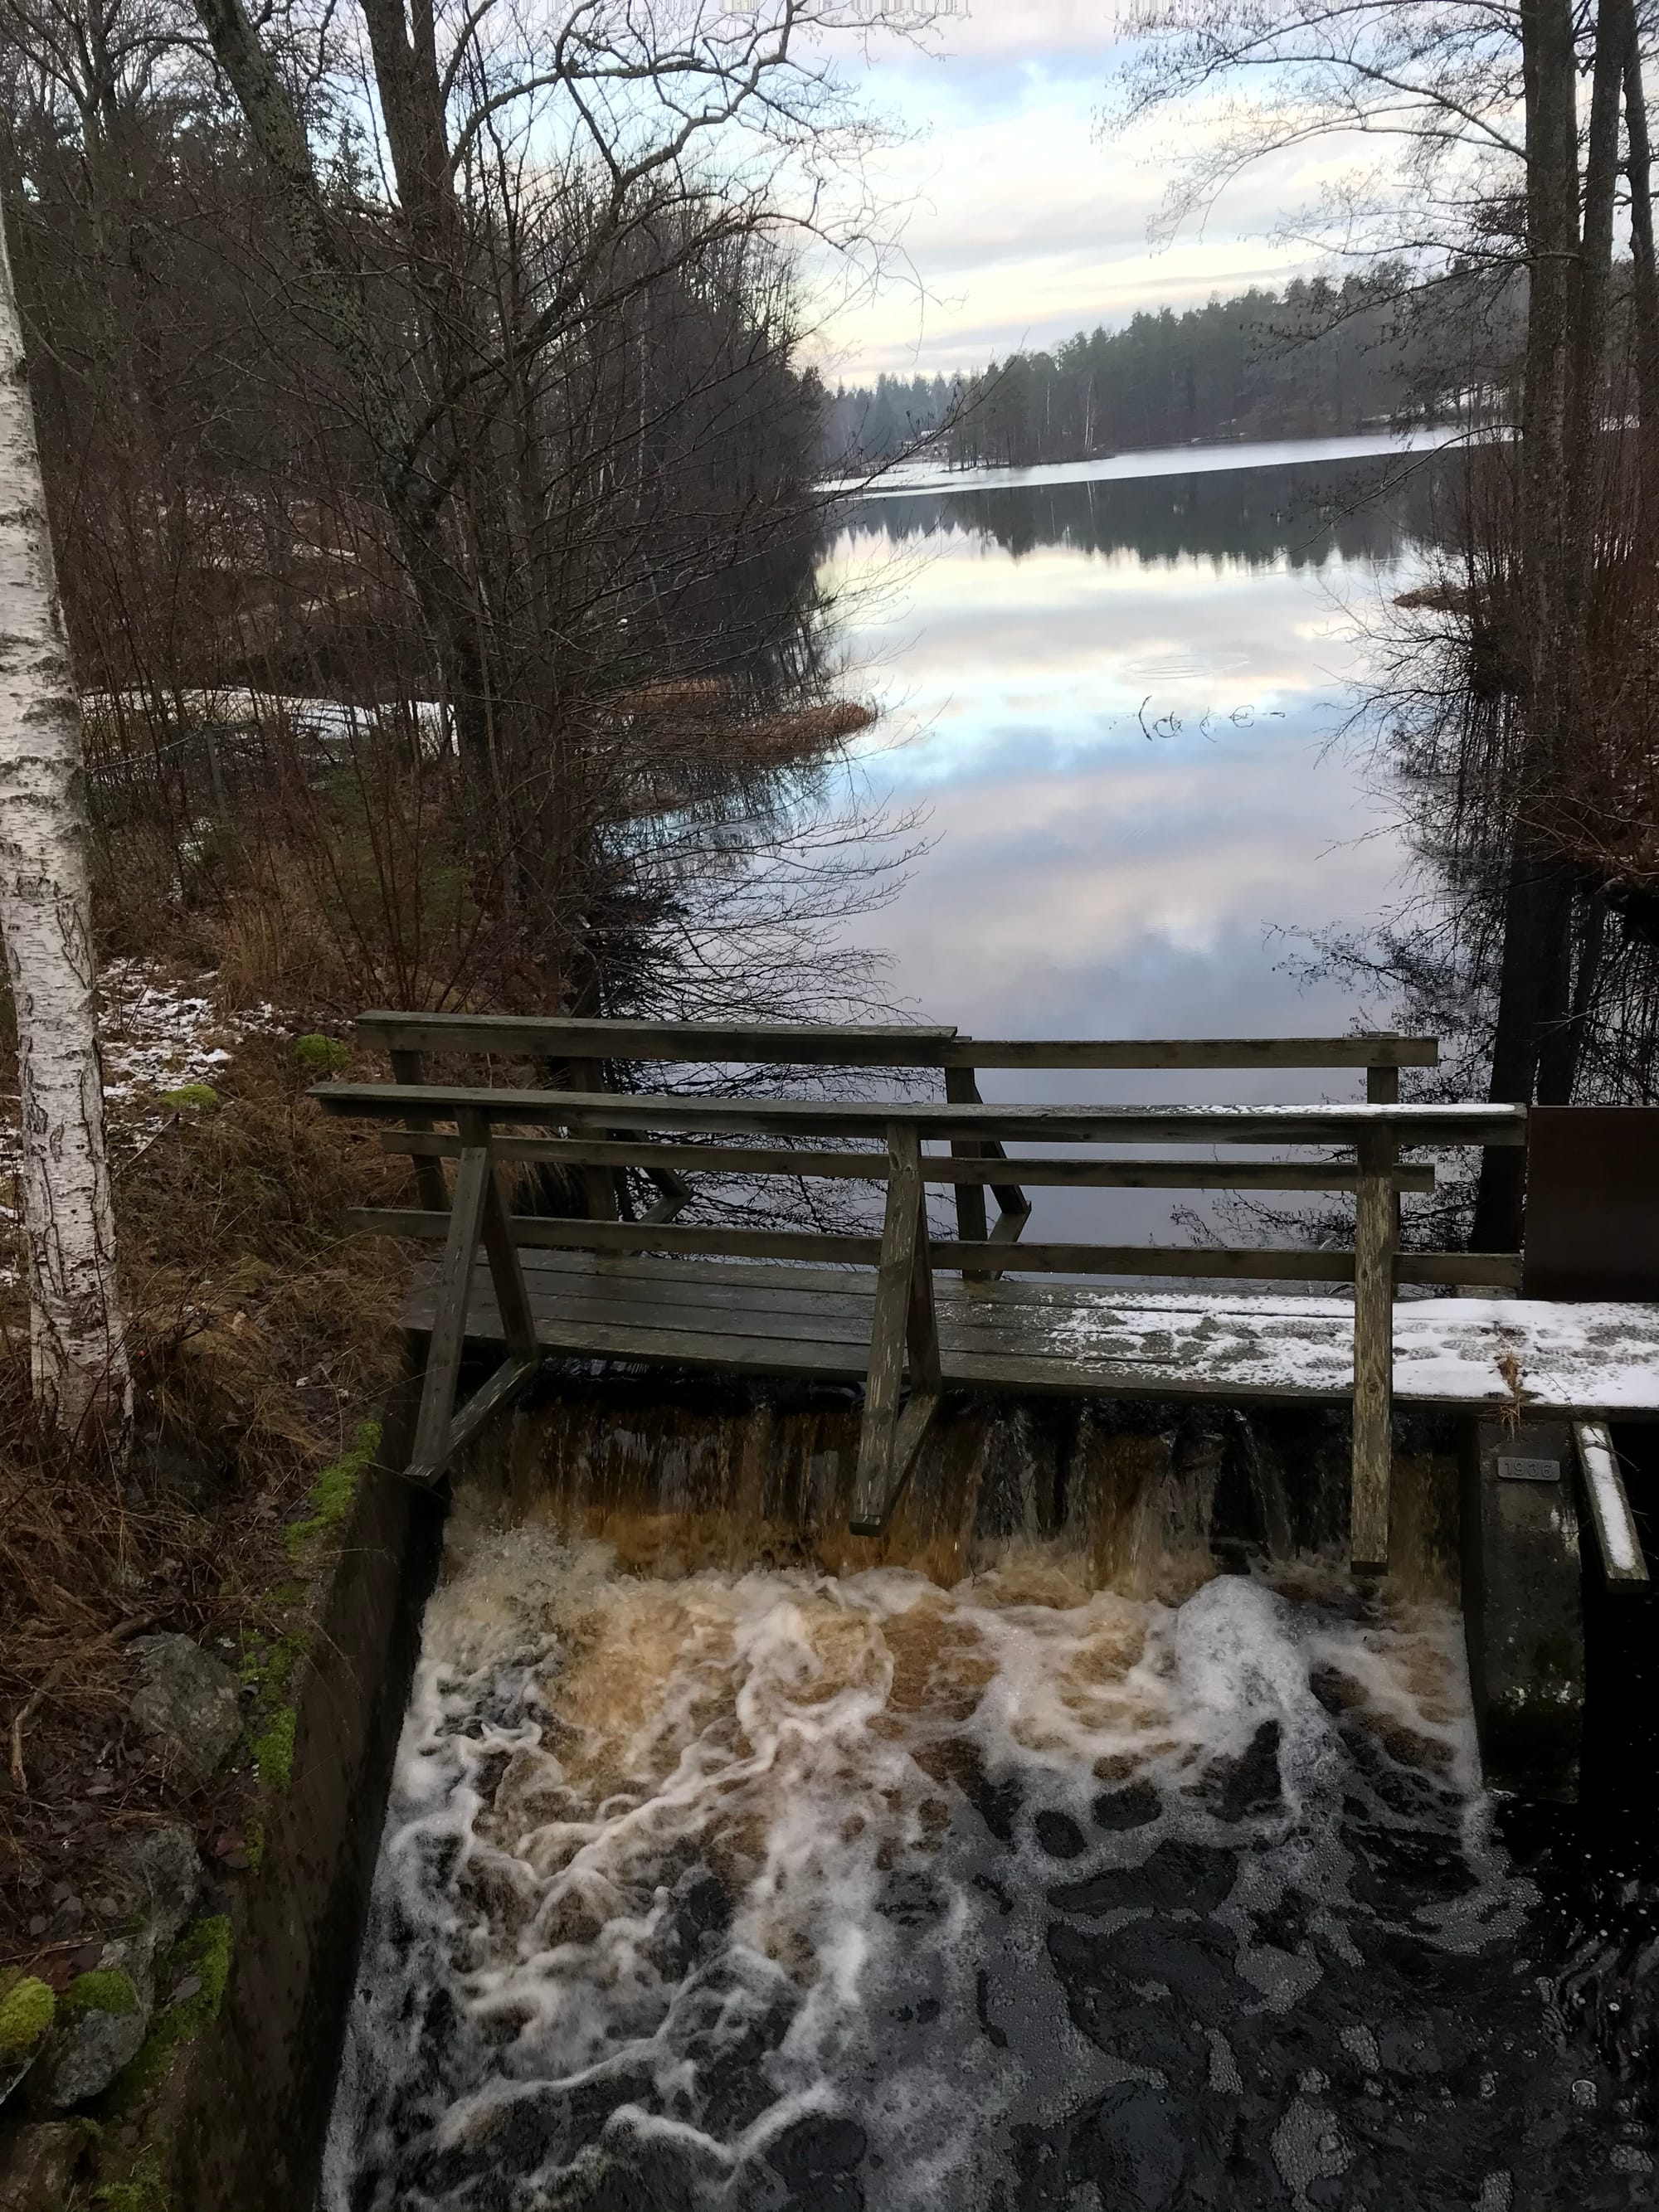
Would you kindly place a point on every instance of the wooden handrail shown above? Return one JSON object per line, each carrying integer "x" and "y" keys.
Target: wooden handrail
{"x": 870, "y": 1045}
{"x": 1098, "y": 1174}
{"x": 610, "y": 1132}
{"x": 1295, "y": 1263}
{"x": 1445, "y": 1125}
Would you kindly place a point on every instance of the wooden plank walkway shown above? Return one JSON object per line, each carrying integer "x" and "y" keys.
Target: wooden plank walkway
{"x": 1580, "y": 1360}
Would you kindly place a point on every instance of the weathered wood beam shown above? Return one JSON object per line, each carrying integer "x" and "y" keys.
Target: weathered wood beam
{"x": 1309, "y": 1264}
{"x": 873, "y": 1045}
{"x": 1373, "y": 1352}
{"x": 903, "y": 1315}
{"x": 895, "y": 1044}
{"x": 966, "y": 1152}
{"x": 963, "y": 1168}
{"x": 513, "y": 1377}
{"x": 463, "y": 1223}
{"x": 1218, "y": 1053}
{"x": 410, "y": 1067}
{"x": 1471, "y": 1124}
{"x": 501, "y": 1249}
{"x": 598, "y": 1183}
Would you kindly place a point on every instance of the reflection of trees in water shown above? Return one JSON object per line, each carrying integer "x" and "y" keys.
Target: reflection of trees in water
{"x": 1307, "y": 514}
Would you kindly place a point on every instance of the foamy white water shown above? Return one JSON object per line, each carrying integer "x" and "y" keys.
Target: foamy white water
{"x": 784, "y": 1889}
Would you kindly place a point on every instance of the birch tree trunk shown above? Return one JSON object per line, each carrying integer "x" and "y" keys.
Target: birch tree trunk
{"x": 78, "y": 1353}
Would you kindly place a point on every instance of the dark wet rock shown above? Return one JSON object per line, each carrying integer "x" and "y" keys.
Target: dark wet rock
{"x": 1134, "y": 1808}
{"x": 41, "y": 2165}
{"x": 156, "y": 1875}
{"x": 1142, "y": 2023}
{"x": 988, "y": 1886}
{"x": 1397, "y": 1870}
{"x": 735, "y": 2085}
{"x": 100, "y": 2028}
{"x": 1178, "y": 1877}
{"x": 817, "y": 2160}
{"x": 912, "y": 1899}
{"x": 1131, "y": 2150}
{"x": 1250, "y": 1788}
{"x": 1059, "y": 1834}
{"x": 1194, "y": 1958}
{"x": 164, "y": 1468}
{"x": 187, "y": 1703}
{"x": 995, "y": 2036}
{"x": 154, "y": 1880}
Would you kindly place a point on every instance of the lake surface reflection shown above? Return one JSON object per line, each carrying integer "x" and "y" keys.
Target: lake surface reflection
{"x": 1119, "y": 701}
{"x": 1122, "y": 704}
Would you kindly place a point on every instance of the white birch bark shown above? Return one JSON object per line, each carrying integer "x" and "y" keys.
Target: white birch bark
{"x": 77, "y": 1342}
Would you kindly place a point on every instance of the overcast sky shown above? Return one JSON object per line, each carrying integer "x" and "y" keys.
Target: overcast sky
{"x": 1024, "y": 225}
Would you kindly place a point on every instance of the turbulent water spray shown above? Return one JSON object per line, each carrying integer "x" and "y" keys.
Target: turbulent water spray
{"x": 787, "y": 1888}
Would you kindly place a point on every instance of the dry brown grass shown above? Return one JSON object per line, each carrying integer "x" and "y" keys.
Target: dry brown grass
{"x": 273, "y": 944}
{"x": 262, "y": 1335}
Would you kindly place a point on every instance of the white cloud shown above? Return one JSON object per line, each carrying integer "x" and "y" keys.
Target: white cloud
{"x": 1024, "y": 225}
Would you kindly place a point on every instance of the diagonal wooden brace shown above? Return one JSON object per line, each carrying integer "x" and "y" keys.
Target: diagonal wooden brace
{"x": 889, "y": 1439}
{"x": 477, "y": 1212}
{"x": 1014, "y": 1208}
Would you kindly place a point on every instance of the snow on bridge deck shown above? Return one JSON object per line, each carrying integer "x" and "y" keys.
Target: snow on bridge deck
{"x": 1457, "y": 1354}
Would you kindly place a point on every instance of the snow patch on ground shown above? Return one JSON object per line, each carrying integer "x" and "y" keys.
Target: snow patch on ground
{"x": 158, "y": 1033}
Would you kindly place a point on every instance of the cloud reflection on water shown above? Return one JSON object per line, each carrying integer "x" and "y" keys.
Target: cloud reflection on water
{"x": 1127, "y": 764}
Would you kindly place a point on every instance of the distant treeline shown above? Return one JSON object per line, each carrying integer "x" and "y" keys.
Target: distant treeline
{"x": 1316, "y": 359}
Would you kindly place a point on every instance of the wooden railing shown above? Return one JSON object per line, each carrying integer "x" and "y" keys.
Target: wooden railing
{"x": 588, "y": 1051}
{"x": 677, "y": 1136}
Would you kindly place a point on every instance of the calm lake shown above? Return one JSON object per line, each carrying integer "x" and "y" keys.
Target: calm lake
{"x": 1121, "y": 701}
{"x": 726, "y": 1876}
{"x": 1117, "y": 698}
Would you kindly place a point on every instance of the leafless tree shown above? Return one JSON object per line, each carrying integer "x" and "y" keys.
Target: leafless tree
{"x": 1491, "y": 154}
{"x": 77, "y": 1339}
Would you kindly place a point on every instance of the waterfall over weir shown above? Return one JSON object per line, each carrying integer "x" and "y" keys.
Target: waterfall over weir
{"x": 1087, "y": 1842}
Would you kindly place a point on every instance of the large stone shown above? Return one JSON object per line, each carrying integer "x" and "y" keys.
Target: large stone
{"x": 156, "y": 1877}
{"x": 41, "y": 2164}
{"x": 187, "y": 1703}
{"x": 103, "y": 2020}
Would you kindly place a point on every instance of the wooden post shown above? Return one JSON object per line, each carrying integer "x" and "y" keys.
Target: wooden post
{"x": 1014, "y": 1208}
{"x": 479, "y": 1211}
{"x": 1373, "y": 1350}
{"x": 903, "y": 1315}
{"x": 962, "y": 1090}
{"x": 1383, "y": 1089}
{"x": 410, "y": 1067}
{"x": 512, "y": 1296}
{"x": 444, "y": 1347}
{"x": 598, "y": 1183}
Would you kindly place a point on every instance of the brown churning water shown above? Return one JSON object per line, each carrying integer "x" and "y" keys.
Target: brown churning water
{"x": 1020, "y": 1860}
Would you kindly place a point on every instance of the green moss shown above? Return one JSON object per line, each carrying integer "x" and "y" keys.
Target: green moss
{"x": 253, "y": 1843}
{"x": 268, "y": 1666}
{"x": 26, "y": 2013}
{"x": 143, "y": 2189}
{"x": 201, "y": 1096}
{"x": 273, "y": 1750}
{"x": 106, "y": 1989}
{"x": 333, "y": 1491}
{"x": 320, "y": 1056}
{"x": 203, "y": 1951}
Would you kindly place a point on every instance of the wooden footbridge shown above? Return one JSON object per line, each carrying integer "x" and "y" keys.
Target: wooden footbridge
{"x": 911, "y": 1315}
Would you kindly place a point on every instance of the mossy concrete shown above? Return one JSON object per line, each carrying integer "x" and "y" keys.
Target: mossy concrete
{"x": 230, "y": 2093}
